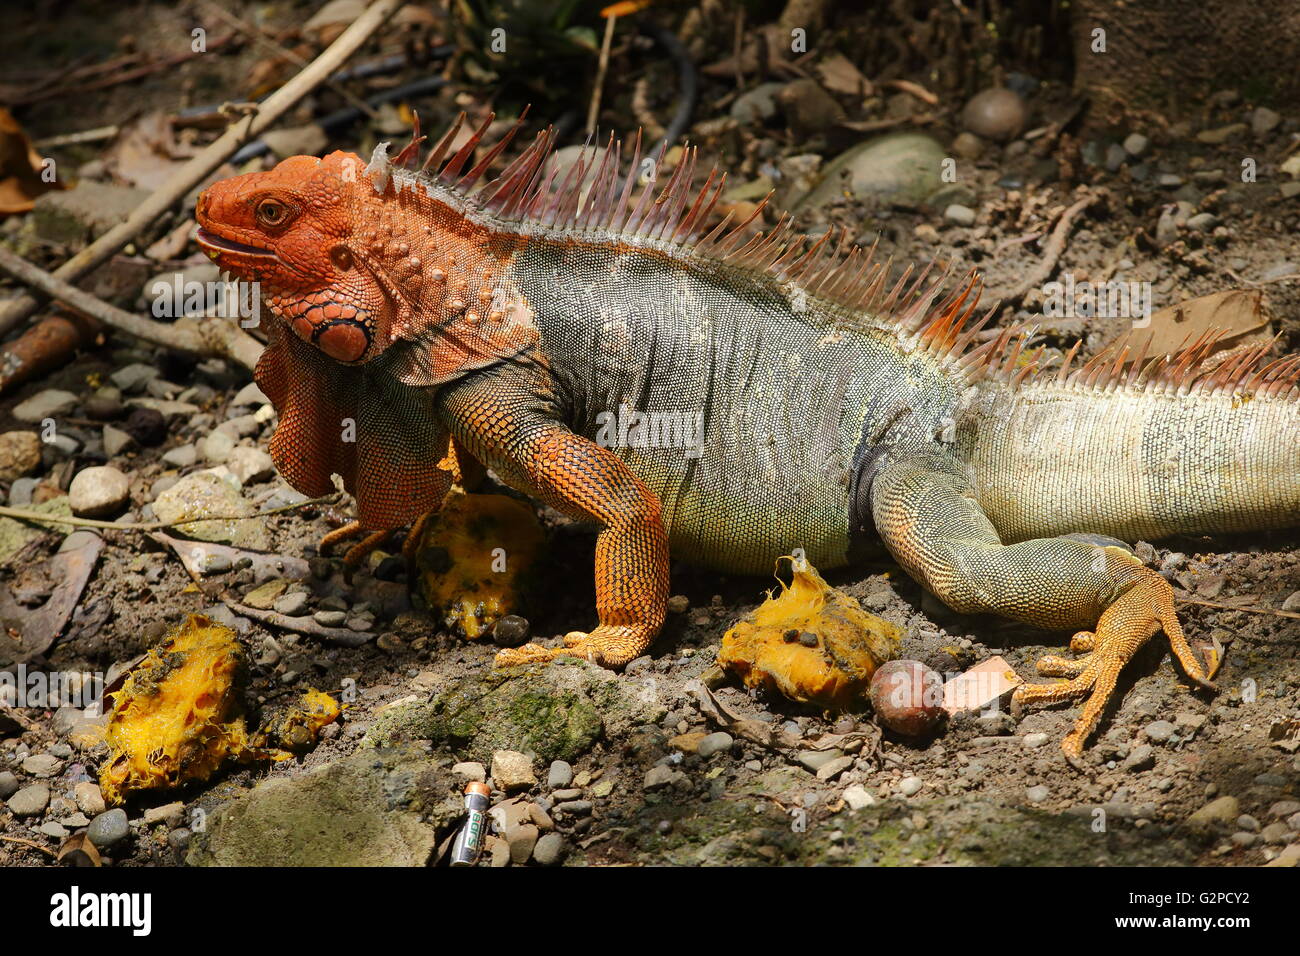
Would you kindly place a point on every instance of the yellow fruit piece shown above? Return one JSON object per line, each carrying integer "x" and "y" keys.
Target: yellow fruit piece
{"x": 768, "y": 648}
{"x": 176, "y": 718}
{"x": 296, "y": 728}
{"x": 179, "y": 715}
{"x": 473, "y": 556}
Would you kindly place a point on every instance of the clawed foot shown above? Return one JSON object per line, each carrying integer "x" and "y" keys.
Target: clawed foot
{"x": 1142, "y": 610}
{"x": 609, "y": 646}
{"x": 357, "y": 554}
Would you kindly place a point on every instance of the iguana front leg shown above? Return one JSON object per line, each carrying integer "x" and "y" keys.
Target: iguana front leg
{"x": 926, "y": 514}
{"x": 539, "y": 456}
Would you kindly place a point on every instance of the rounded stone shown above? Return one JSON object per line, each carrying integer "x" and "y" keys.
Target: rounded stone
{"x": 714, "y": 744}
{"x": 108, "y": 828}
{"x": 996, "y": 113}
{"x": 907, "y": 697}
{"x": 511, "y": 631}
{"x": 550, "y": 849}
{"x": 29, "y": 801}
{"x": 99, "y": 491}
{"x": 20, "y": 454}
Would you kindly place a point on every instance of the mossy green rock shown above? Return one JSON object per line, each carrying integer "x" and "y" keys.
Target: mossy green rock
{"x": 554, "y": 712}
{"x": 378, "y": 807}
{"x": 903, "y": 166}
{"x": 15, "y": 534}
{"x": 961, "y": 832}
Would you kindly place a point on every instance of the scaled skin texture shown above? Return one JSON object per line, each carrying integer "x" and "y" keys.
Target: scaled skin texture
{"x": 731, "y": 397}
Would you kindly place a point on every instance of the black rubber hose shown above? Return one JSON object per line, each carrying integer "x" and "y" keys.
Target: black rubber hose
{"x": 688, "y": 81}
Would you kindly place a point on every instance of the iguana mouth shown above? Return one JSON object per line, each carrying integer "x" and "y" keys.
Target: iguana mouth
{"x": 221, "y": 243}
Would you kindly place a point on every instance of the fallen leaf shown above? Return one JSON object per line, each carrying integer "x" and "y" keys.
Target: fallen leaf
{"x": 71, "y": 567}
{"x": 1238, "y": 313}
{"x": 21, "y": 168}
{"x": 839, "y": 75}
{"x": 77, "y": 850}
{"x": 145, "y": 153}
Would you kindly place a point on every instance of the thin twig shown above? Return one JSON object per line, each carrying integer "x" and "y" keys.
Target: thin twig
{"x": 31, "y": 843}
{"x": 1271, "y": 612}
{"x": 205, "y": 336}
{"x": 1052, "y": 251}
{"x": 257, "y": 35}
{"x": 37, "y": 517}
{"x": 601, "y": 67}
{"x": 206, "y": 162}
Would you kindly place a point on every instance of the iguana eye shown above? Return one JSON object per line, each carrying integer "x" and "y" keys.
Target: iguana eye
{"x": 272, "y": 212}
{"x": 341, "y": 256}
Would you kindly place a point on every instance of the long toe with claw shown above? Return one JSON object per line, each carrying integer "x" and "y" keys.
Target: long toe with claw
{"x": 609, "y": 646}
{"x": 356, "y": 555}
{"x": 1146, "y": 607}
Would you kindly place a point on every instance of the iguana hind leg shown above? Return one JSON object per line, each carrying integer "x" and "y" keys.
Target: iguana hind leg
{"x": 926, "y": 513}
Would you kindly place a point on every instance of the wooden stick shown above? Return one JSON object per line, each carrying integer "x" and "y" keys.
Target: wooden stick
{"x": 258, "y": 36}
{"x": 37, "y": 517}
{"x": 206, "y": 162}
{"x": 204, "y": 336}
{"x": 594, "y": 109}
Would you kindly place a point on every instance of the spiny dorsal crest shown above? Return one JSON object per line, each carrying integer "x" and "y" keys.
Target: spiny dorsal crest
{"x": 852, "y": 281}
{"x": 592, "y": 197}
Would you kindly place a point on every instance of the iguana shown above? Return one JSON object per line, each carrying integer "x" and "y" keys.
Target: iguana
{"x": 791, "y": 393}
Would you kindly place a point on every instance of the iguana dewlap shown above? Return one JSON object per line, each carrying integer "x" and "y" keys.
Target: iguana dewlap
{"x": 731, "y": 399}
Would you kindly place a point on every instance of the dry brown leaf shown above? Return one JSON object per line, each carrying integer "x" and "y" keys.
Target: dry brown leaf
{"x": 145, "y": 154}
{"x": 77, "y": 850}
{"x": 1238, "y": 313}
{"x": 20, "y": 169}
{"x": 839, "y": 75}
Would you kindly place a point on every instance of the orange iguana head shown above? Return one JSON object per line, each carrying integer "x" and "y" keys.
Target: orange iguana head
{"x": 291, "y": 229}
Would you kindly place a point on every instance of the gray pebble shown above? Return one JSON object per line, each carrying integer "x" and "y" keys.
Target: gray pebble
{"x": 959, "y": 214}
{"x": 108, "y": 828}
{"x": 41, "y": 765}
{"x": 8, "y": 784}
{"x": 1037, "y": 794}
{"x": 814, "y": 760}
{"x": 1135, "y": 144}
{"x": 662, "y": 776}
{"x": 1036, "y": 739}
{"x": 330, "y": 618}
{"x": 29, "y": 801}
{"x": 183, "y": 456}
{"x": 550, "y": 849}
{"x": 179, "y": 839}
{"x": 1141, "y": 758}
{"x": 291, "y": 605}
{"x": 65, "y": 718}
{"x": 715, "y": 743}
{"x": 1159, "y": 731}
{"x": 567, "y": 793}
{"x": 910, "y": 786}
{"x": 559, "y": 776}
{"x": 1275, "y": 833}
{"x": 577, "y": 808}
